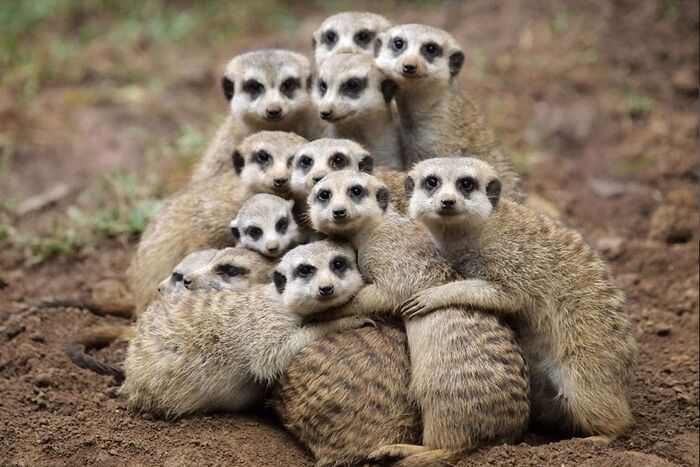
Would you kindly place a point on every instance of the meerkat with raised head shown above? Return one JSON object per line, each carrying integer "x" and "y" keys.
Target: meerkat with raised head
{"x": 222, "y": 350}
{"x": 265, "y": 223}
{"x": 347, "y": 32}
{"x": 437, "y": 118}
{"x": 199, "y": 215}
{"x": 267, "y": 90}
{"x": 355, "y": 97}
{"x": 235, "y": 269}
{"x": 468, "y": 376}
{"x": 315, "y": 160}
{"x": 562, "y": 297}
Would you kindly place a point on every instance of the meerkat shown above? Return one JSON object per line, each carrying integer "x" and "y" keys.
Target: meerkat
{"x": 437, "y": 118}
{"x": 221, "y": 350}
{"x": 199, "y": 215}
{"x": 234, "y": 269}
{"x": 195, "y": 260}
{"x": 347, "y": 32}
{"x": 468, "y": 377}
{"x": 265, "y": 223}
{"x": 566, "y": 306}
{"x": 355, "y": 98}
{"x": 315, "y": 160}
{"x": 267, "y": 90}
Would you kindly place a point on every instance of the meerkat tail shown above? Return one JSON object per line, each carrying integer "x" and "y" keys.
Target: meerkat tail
{"x": 95, "y": 339}
{"x": 119, "y": 309}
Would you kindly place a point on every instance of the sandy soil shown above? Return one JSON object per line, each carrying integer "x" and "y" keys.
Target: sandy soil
{"x": 556, "y": 86}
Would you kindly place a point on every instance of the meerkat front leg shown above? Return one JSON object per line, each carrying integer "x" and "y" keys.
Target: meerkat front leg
{"x": 475, "y": 293}
{"x": 369, "y": 300}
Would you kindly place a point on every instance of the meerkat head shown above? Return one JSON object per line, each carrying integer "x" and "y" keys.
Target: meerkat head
{"x": 317, "y": 276}
{"x": 452, "y": 190}
{"x": 345, "y": 202}
{"x": 263, "y": 160}
{"x": 233, "y": 269}
{"x": 347, "y": 32}
{"x": 174, "y": 282}
{"x": 413, "y": 53}
{"x": 267, "y": 88}
{"x": 265, "y": 224}
{"x": 350, "y": 87}
{"x": 315, "y": 160}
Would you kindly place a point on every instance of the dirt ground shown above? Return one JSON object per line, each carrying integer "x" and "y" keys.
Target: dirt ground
{"x": 599, "y": 106}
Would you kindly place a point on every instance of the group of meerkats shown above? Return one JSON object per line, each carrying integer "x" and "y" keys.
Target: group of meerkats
{"x": 389, "y": 295}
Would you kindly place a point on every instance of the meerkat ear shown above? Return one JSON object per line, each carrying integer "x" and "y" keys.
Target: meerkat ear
{"x": 389, "y": 88}
{"x": 234, "y": 229}
{"x": 493, "y": 191}
{"x": 279, "y": 280}
{"x": 366, "y": 163}
{"x": 227, "y": 86}
{"x": 238, "y": 161}
{"x": 408, "y": 185}
{"x": 456, "y": 61}
{"x": 378, "y": 42}
{"x": 383, "y": 197}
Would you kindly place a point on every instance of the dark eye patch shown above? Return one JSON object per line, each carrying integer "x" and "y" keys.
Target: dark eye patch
{"x": 282, "y": 225}
{"x": 398, "y": 45}
{"x": 262, "y": 158}
{"x": 466, "y": 185}
{"x": 357, "y": 192}
{"x": 338, "y": 161}
{"x": 253, "y": 232}
{"x": 290, "y": 85}
{"x": 324, "y": 196}
{"x": 231, "y": 270}
{"x": 329, "y": 38}
{"x": 363, "y": 37}
{"x": 322, "y": 87}
{"x": 304, "y": 271}
{"x": 177, "y": 277}
{"x": 339, "y": 264}
{"x": 353, "y": 87}
{"x": 254, "y": 88}
{"x": 431, "y": 51}
{"x": 430, "y": 183}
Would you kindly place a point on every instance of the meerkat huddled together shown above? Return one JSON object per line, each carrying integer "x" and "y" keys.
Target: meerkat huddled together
{"x": 300, "y": 227}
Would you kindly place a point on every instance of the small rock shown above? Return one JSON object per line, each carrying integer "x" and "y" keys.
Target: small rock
{"x": 606, "y": 187}
{"x": 685, "y": 81}
{"x": 113, "y": 452}
{"x": 43, "y": 380}
{"x": 611, "y": 247}
{"x": 673, "y": 224}
{"x": 663, "y": 329}
{"x": 12, "y": 330}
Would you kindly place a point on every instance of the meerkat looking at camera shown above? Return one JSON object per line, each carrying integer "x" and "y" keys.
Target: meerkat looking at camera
{"x": 221, "y": 350}
{"x": 437, "y": 118}
{"x": 347, "y": 32}
{"x": 355, "y": 97}
{"x": 468, "y": 373}
{"x": 266, "y": 89}
{"x": 199, "y": 215}
{"x": 567, "y": 309}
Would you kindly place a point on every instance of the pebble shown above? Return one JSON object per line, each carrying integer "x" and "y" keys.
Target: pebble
{"x": 663, "y": 329}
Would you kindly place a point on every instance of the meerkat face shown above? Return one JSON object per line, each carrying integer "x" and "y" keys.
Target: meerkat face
{"x": 350, "y": 87}
{"x": 268, "y": 87}
{"x": 191, "y": 262}
{"x": 452, "y": 190}
{"x": 315, "y": 160}
{"x": 347, "y": 32}
{"x": 263, "y": 160}
{"x": 344, "y": 202}
{"x": 232, "y": 269}
{"x": 417, "y": 53}
{"x": 317, "y": 276}
{"x": 265, "y": 224}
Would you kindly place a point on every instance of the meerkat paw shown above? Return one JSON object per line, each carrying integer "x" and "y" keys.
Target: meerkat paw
{"x": 420, "y": 304}
{"x": 393, "y": 452}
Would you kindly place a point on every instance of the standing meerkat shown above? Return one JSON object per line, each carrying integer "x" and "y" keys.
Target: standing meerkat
{"x": 468, "y": 374}
{"x": 267, "y": 90}
{"x": 437, "y": 118}
{"x": 355, "y": 97}
{"x": 199, "y": 215}
{"x": 347, "y": 32}
{"x": 221, "y": 350}
{"x": 569, "y": 312}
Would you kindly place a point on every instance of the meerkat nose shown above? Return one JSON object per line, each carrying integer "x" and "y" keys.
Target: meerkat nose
{"x": 273, "y": 112}
{"x": 280, "y": 182}
{"x": 409, "y": 68}
{"x": 339, "y": 213}
{"x": 187, "y": 282}
{"x": 447, "y": 203}
{"x": 326, "y": 290}
{"x": 326, "y": 114}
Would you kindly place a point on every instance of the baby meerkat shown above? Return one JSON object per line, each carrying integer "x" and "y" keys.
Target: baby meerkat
{"x": 315, "y": 160}
{"x": 233, "y": 269}
{"x": 468, "y": 374}
{"x": 221, "y": 350}
{"x": 199, "y": 215}
{"x": 267, "y": 90}
{"x": 355, "y": 97}
{"x": 265, "y": 223}
{"x": 437, "y": 118}
{"x": 564, "y": 301}
{"x": 347, "y": 32}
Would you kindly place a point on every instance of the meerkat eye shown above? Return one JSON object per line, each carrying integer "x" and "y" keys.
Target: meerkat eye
{"x": 262, "y": 157}
{"x": 431, "y": 182}
{"x": 397, "y": 44}
{"x": 304, "y": 270}
{"x": 289, "y": 86}
{"x": 323, "y": 195}
{"x": 356, "y": 191}
{"x": 229, "y": 270}
{"x": 339, "y": 264}
{"x": 338, "y": 161}
{"x": 363, "y": 37}
{"x": 329, "y": 37}
{"x": 254, "y": 232}
{"x": 466, "y": 184}
{"x": 253, "y": 87}
{"x": 281, "y": 225}
{"x": 353, "y": 86}
{"x": 431, "y": 49}
{"x": 305, "y": 162}
{"x": 177, "y": 277}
